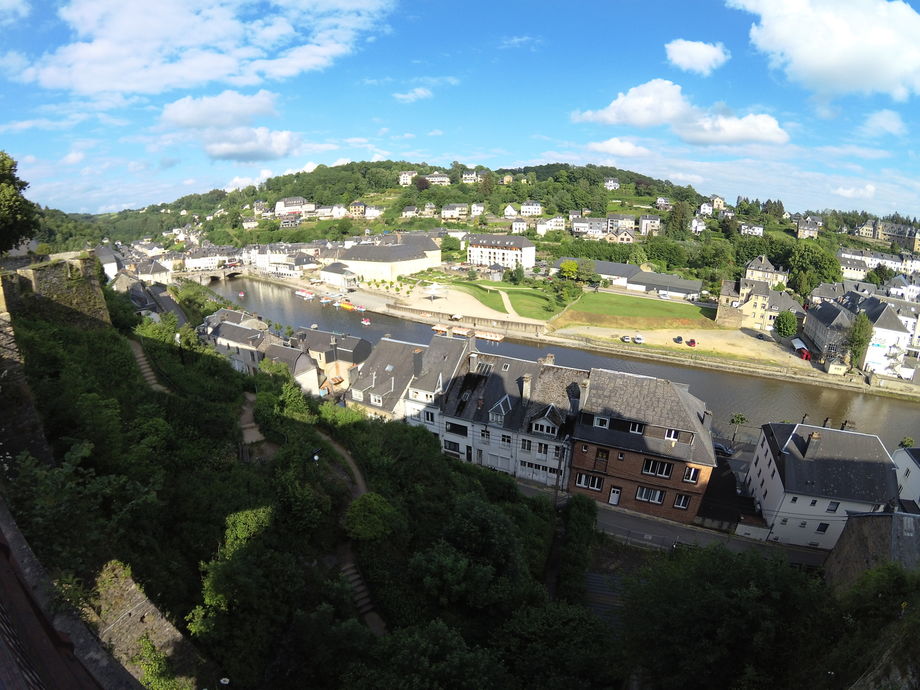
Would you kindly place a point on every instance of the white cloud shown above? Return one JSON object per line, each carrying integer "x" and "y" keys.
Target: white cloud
{"x": 413, "y": 95}
{"x": 13, "y": 10}
{"x": 130, "y": 47}
{"x": 656, "y": 102}
{"x": 834, "y": 47}
{"x": 661, "y": 102}
{"x": 520, "y": 42}
{"x": 73, "y": 158}
{"x": 251, "y": 144}
{"x": 437, "y": 81}
{"x": 696, "y": 56}
{"x": 404, "y": 135}
{"x": 688, "y": 178}
{"x": 435, "y": 133}
{"x": 340, "y": 161}
{"x": 227, "y": 109}
{"x": 242, "y": 182}
{"x": 11, "y": 62}
{"x": 883, "y": 122}
{"x": 851, "y": 151}
{"x": 307, "y": 168}
{"x": 618, "y": 147}
{"x": 865, "y": 192}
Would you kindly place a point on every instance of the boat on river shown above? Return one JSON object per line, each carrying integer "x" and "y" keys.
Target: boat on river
{"x": 365, "y": 321}
{"x": 347, "y": 306}
{"x": 325, "y": 300}
{"x": 302, "y": 293}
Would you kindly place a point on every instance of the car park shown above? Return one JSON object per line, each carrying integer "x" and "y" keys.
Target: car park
{"x": 638, "y": 339}
{"x": 626, "y": 339}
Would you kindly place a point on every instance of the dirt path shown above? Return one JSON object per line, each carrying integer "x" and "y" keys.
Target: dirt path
{"x": 146, "y": 369}
{"x": 251, "y": 431}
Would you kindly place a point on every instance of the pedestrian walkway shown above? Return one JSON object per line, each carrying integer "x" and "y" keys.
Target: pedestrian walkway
{"x": 251, "y": 431}
{"x": 507, "y": 302}
{"x": 144, "y": 365}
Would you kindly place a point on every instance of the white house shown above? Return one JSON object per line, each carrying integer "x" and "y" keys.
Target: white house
{"x": 409, "y": 212}
{"x": 755, "y": 230}
{"x": 405, "y": 177}
{"x": 290, "y": 204}
{"x": 438, "y": 179}
{"x": 697, "y": 225}
{"x": 505, "y": 250}
{"x": 509, "y": 211}
{"x": 250, "y": 223}
{"x": 531, "y": 208}
{"x": 544, "y": 226}
{"x": 372, "y": 212}
{"x": 454, "y": 211}
{"x": 620, "y": 221}
{"x": 649, "y": 225}
{"x": 519, "y": 226}
{"x": 706, "y": 209}
{"x": 470, "y": 177}
{"x": 907, "y": 461}
{"x": 806, "y": 479}
{"x": 611, "y": 183}
{"x": 477, "y": 208}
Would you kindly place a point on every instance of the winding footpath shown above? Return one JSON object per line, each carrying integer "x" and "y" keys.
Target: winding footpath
{"x": 144, "y": 365}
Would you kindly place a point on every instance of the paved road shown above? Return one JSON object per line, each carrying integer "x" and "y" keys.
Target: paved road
{"x": 641, "y": 530}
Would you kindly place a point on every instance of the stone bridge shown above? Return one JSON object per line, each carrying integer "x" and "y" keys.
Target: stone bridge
{"x": 204, "y": 277}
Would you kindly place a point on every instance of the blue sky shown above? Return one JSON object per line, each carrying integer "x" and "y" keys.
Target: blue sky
{"x": 112, "y": 104}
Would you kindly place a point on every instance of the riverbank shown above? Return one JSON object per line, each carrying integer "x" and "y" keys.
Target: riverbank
{"x": 419, "y": 308}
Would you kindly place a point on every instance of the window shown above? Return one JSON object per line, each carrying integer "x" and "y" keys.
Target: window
{"x": 814, "y": 502}
{"x": 832, "y": 506}
{"x": 557, "y": 451}
{"x": 429, "y": 416}
{"x": 658, "y": 468}
{"x": 822, "y": 527}
{"x": 452, "y": 428}
{"x": 506, "y": 440}
{"x": 794, "y": 499}
{"x": 803, "y": 524}
{"x": 497, "y": 417}
{"x": 584, "y": 447}
{"x": 588, "y": 481}
{"x": 602, "y": 454}
{"x": 485, "y": 434}
{"x": 692, "y": 475}
{"x": 452, "y": 445}
{"x": 544, "y": 428}
{"x": 376, "y": 399}
{"x": 647, "y": 495}
{"x": 682, "y": 501}
{"x": 602, "y": 422}
{"x": 542, "y": 448}
{"x": 356, "y": 394}
{"x": 621, "y": 456}
{"x": 526, "y": 444}
{"x": 636, "y": 428}
{"x": 784, "y": 521}
{"x": 672, "y": 434}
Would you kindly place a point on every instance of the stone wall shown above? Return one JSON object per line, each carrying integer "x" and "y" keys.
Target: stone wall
{"x": 69, "y": 289}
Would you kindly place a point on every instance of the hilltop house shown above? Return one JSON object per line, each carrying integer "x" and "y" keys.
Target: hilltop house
{"x": 504, "y": 250}
{"x": 406, "y": 177}
{"x": 611, "y": 184}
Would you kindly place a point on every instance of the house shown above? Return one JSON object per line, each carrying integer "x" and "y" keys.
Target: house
{"x": 518, "y": 226}
{"x": 430, "y": 210}
{"x": 438, "y": 179}
{"x": 477, "y": 208}
{"x": 753, "y": 230}
{"x": 620, "y": 221}
{"x": 718, "y": 203}
{"x": 337, "y": 356}
{"x": 890, "y": 338}
{"x": 153, "y": 272}
{"x": 611, "y": 184}
{"x": 382, "y": 380}
{"x": 454, "y": 211}
{"x": 509, "y": 211}
{"x": 111, "y": 262}
{"x": 250, "y": 223}
{"x": 506, "y": 250}
{"x": 621, "y": 236}
{"x": 705, "y": 209}
{"x": 373, "y": 212}
{"x": 641, "y": 443}
{"x": 665, "y": 284}
{"x": 760, "y": 268}
{"x": 511, "y": 415}
{"x": 290, "y": 204}
{"x": 239, "y": 343}
{"x": 574, "y": 214}
{"x": 827, "y": 326}
{"x": 409, "y": 212}
{"x": 434, "y": 368}
{"x": 649, "y": 225}
{"x": 907, "y": 462}
{"x": 389, "y": 260}
{"x": 697, "y": 225}
{"x": 807, "y": 229}
{"x": 531, "y": 208}
{"x": 507, "y": 179}
{"x": 338, "y": 275}
{"x": 662, "y": 203}
{"x": 727, "y": 213}
{"x": 304, "y": 370}
{"x": 546, "y": 225}
{"x": 853, "y": 269}
{"x": 747, "y": 303}
{"x": 470, "y": 177}
{"x": 356, "y": 209}
{"x": 906, "y": 287}
{"x": 589, "y": 228}
{"x": 405, "y": 177}
{"x": 289, "y": 220}
{"x": 807, "y": 480}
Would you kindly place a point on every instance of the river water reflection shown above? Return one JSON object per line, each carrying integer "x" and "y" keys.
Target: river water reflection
{"x": 760, "y": 400}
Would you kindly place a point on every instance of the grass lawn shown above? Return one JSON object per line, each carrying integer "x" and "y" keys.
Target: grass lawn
{"x": 606, "y": 309}
{"x": 489, "y": 298}
{"x": 533, "y": 304}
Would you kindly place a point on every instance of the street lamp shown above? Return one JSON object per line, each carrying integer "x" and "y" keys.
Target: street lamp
{"x": 315, "y": 455}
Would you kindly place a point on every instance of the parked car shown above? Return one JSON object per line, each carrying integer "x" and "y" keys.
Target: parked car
{"x": 691, "y": 342}
{"x": 678, "y": 340}
{"x": 626, "y": 339}
{"x": 638, "y": 339}
{"x": 723, "y": 450}
{"x": 761, "y": 336}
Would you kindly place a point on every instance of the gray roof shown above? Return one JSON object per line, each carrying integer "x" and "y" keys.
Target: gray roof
{"x": 499, "y": 241}
{"x": 762, "y": 263}
{"x": 881, "y": 314}
{"x": 832, "y": 315}
{"x": 832, "y": 291}
{"x": 832, "y": 463}
{"x": 387, "y": 373}
{"x": 666, "y": 281}
{"x": 296, "y": 360}
{"x": 241, "y": 335}
{"x": 647, "y": 400}
{"x": 334, "y": 346}
{"x": 384, "y": 253}
{"x": 606, "y": 268}
{"x": 338, "y": 267}
{"x": 440, "y": 362}
{"x": 485, "y": 382}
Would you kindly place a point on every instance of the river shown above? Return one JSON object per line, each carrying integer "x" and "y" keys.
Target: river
{"x": 760, "y": 400}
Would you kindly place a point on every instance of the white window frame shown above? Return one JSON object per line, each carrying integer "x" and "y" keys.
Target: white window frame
{"x": 602, "y": 422}
{"x": 657, "y": 468}
{"x": 682, "y": 501}
{"x": 526, "y": 445}
{"x": 636, "y": 427}
{"x": 649, "y": 495}
{"x": 692, "y": 475}
{"x": 672, "y": 434}
{"x": 429, "y": 417}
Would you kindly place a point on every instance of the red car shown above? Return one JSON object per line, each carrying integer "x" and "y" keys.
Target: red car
{"x": 691, "y": 342}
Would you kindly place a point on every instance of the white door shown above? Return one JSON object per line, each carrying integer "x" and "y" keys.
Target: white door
{"x": 614, "y": 495}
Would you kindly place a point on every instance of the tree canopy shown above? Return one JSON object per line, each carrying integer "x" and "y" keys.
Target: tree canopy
{"x": 18, "y": 215}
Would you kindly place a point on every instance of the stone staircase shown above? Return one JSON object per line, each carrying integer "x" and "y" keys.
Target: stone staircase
{"x": 359, "y": 592}
{"x": 144, "y": 365}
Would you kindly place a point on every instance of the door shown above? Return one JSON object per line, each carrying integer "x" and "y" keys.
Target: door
{"x": 469, "y": 454}
{"x": 614, "y": 495}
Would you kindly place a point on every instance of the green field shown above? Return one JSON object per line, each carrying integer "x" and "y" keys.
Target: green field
{"x": 532, "y": 304}
{"x": 607, "y": 309}
{"x": 489, "y": 298}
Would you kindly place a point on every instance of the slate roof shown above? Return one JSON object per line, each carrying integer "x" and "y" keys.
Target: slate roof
{"x": 833, "y": 291}
{"x": 439, "y": 362}
{"x": 832, "y": 315}
{"x": 555, "y": 394}
{"x": 881, "y": 314}
{"x": 499, "y": 241}
{"x": 607, "y": 268}
{"x": 762, "y": 263}
{"x": 651, "y": 401}
{"x": 338, "y": 267}
{"x": 387, "y": 373}
{"x": 297, "y": 360}
{"x": 250, "y": 337}
{"x": 334, "y": 346}
{"x": 666, "y": 281}
{"x": 384, "y": 253}
{"x": 834, "y": 464}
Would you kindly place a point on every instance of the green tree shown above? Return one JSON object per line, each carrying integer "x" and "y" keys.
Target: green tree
{"x": 517, "y": 275}
{"x": 18, "y": 216}
{"x": 906, "y": 442}
{"x": 568, "y": 269}
{"x": 736, "y": 421}
{"x": 879, "y": 275}
{"x": 370, "y": 517}
{"x": 858, "y": 338}
{"x": 786, "y": 324}
{"x": 677, "y": 226}
{"x": 746, "y": 612}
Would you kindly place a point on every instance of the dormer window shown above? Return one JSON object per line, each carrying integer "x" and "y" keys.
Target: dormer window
{"x": 499, "y": 410}
{"x": 602, "y": 422}
{"x": 672, "y": 434}
{"x": 544, "y": 428}
{"x": 376, "y": 399}
{"x": 636, "y": 427}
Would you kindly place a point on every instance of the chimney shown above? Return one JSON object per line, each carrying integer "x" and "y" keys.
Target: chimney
{"x": 582, "y": 393}
{"x": 812, "y": 437}
{"x": 550, "y": 358}
{"x": 417, "y": 355}
{"x": 525, "y": 387}
{"x": 474, "y": 360}
{"x": 843, "y": 424}
{"x": 804, "y": 418}
{"x": 827, "y": 420}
